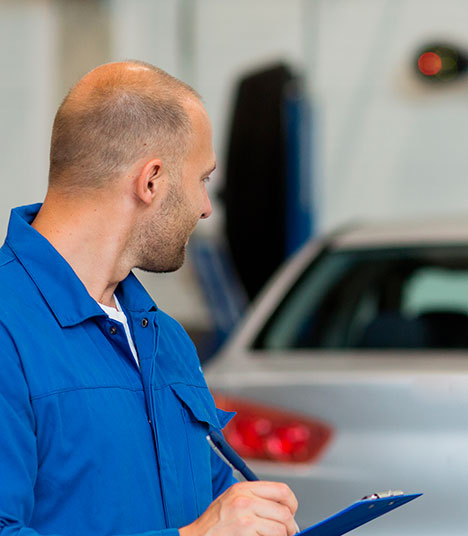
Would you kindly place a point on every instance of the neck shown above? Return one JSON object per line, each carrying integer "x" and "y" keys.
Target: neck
{"x": 88, "y": 234}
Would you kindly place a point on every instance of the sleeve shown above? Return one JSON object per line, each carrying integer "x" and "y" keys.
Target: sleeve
{"x": 18, "y": 453}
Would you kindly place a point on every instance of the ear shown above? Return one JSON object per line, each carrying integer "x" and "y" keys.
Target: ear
{"x": 148, "y": 180}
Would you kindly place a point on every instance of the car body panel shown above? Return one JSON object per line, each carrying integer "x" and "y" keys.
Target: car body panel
{"x": 370, "y": 444}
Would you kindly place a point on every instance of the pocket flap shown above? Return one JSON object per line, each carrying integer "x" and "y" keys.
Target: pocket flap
{"x": 224, "y": 416}
{"x": 201, "y": 406}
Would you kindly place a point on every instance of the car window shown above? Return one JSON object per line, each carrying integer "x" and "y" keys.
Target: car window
{"x": 436, "y": 288}
{"x": 375, "y": 298}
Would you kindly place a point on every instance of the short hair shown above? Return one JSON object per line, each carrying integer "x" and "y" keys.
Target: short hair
{"x": 102, "y": 128}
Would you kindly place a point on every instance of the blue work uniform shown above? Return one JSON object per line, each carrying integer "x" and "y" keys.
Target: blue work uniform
{"x": 90, "y": 443}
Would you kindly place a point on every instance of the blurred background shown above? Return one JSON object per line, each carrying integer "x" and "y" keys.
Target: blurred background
{"x": 325, "y": 112}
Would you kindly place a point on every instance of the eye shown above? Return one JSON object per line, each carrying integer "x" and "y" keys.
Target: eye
{"x": 206, "y": 179}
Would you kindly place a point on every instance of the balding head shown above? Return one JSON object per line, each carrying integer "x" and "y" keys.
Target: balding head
{"x": 115, "y": 115}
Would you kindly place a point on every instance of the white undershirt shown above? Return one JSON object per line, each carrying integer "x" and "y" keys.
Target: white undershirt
{"x": 119, "y": 316}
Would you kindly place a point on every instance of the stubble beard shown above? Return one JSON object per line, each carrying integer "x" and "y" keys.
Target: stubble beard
{"x": 162, "y": 239}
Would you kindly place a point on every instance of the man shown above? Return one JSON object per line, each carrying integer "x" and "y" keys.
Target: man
{"x": 103, "y": 406}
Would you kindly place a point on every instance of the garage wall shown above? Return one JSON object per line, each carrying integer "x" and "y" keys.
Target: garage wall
{"x": 388, "y": 144}
{"x": 27, "y": 67}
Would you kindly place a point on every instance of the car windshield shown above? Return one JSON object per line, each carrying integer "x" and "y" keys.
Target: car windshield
{"x": 408, "y": 298}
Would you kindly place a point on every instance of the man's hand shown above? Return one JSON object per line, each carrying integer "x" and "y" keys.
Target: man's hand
{"x": 248, "y": 509}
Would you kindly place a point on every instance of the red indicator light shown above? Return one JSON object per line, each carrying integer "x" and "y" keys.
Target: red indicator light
{"x": 429, "y": 63}
{"x": 266, "y": 433}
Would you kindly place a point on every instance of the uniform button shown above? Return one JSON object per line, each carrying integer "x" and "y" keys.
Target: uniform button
{"x": 149, "y": 421}
{"x": 144, "y": 322}
{"x": 113, "y": 330}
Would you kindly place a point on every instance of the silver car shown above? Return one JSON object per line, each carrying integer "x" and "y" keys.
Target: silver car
{"x": 350, "y": 376}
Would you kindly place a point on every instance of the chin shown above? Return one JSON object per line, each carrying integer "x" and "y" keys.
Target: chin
{"x": 171, "y": 265}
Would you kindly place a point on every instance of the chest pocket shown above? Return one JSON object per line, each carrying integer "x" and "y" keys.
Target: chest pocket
{"x": 184, "y": 433}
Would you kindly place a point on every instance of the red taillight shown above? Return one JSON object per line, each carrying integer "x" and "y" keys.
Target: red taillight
{"x": 266, "y": 433}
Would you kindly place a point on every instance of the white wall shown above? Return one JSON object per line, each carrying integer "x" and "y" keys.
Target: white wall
{"x": 388, "y": 144}
{"x": 27, "y": 63}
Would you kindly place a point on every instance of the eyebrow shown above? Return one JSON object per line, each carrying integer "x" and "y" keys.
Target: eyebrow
{"x": 212, "y": 168}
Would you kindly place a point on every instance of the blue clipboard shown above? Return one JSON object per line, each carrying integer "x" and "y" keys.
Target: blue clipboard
{"x": 356, "y": 515}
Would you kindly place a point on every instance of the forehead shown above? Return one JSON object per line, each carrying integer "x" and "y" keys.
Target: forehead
{"x": 198, "y": 115}
{"x": 202, "y": 143}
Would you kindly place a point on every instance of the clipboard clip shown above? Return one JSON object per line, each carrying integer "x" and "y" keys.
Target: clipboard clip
{"x": 383, "y": 495}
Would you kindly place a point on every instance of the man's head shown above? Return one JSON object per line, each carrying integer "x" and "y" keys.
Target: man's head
{"x": 113, "y": 116}
{"x": 139, "y": 138}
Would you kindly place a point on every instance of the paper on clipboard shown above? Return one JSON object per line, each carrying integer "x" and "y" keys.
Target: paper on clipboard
{"x": 357, "y": 514}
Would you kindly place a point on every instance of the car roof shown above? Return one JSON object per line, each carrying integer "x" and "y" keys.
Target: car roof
{"x": 403, "y": 233}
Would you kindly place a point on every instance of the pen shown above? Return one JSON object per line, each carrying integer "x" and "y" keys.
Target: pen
{"x": 229, "y": 456}
{"x": 224, "y": 450}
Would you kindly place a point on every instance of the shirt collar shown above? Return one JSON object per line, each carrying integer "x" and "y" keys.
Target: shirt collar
{"x": 61, "y": 288}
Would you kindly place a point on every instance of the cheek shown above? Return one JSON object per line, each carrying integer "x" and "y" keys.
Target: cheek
{"x": 198, "y": 199}
{"x": 190, "y": 214}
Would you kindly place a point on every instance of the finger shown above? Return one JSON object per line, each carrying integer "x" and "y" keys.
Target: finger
{"x": 274, "y": 491}
{"x": 273, "y": 511}
{"x": 267, "y": 527}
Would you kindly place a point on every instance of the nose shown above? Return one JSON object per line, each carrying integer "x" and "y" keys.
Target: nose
{"x": 208, "y": 209}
